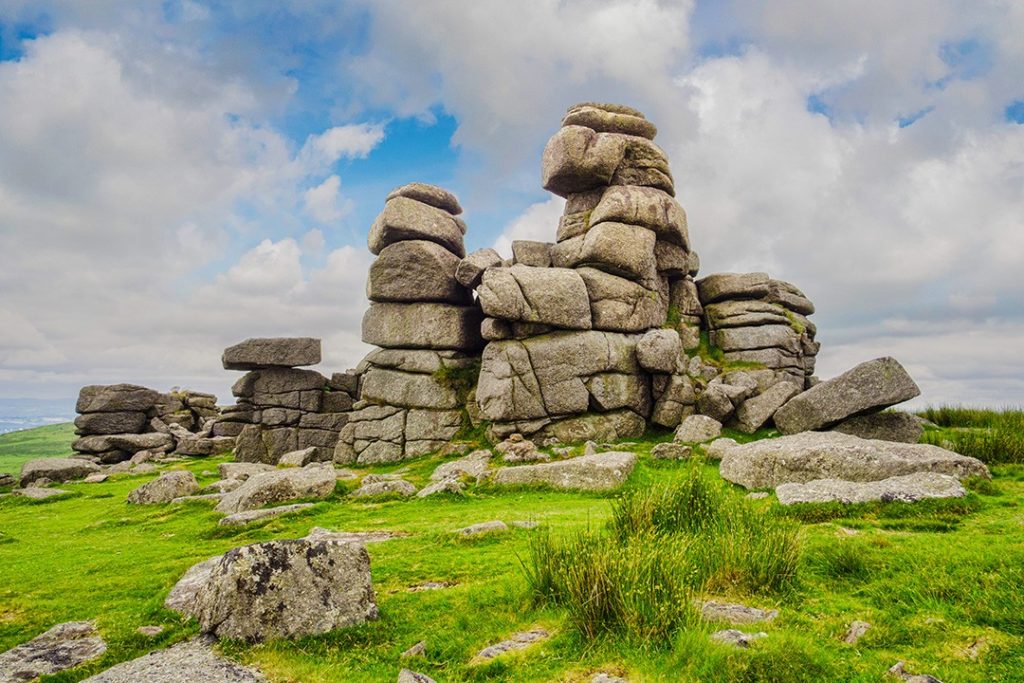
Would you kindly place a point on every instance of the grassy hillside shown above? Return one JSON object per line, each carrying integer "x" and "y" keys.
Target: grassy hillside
{"x": 51, "y": 441}
{"x": 940, "y": 582}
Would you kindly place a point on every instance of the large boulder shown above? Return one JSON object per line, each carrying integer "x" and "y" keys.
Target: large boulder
{"x": 597, "y": 472}
{"x": 646, "y": 206}
{"x": 888, "y": 426}
{"x": 413, "y": 271}
{"x": 550, "y": 296}
{"x": 287, "y": 352}
{"x": 57, "y": 469}
{"x": 165, "y": 488}
{"x": 62, "y": 647}
{"x": 428, "y": 194}
{"x": 423, "y": 326}
{"x": 577, "y": 158}
{"x": 610, "y": 118}
{"x": 757, "y": 410}
{"x": 129, "y": 422}
{"x": 130, "y": 443}
{"x": 116, "y": 398}
{"x": 316, "y": 480}
{"x": 471, "y": 269}
{"x": 408, "y": 219}
{"x": 659, "y": 351}
{"x": 621, "y": 305}
{"x": 906, "y": 488}
{"x": 286, "y": 589}
{"x": 870, "y": 386}
{"x": 830, "y": 455}
{"x": 192, "y": 660}
{"x": 407, "y": 389}
{"x": 616, "y": 248}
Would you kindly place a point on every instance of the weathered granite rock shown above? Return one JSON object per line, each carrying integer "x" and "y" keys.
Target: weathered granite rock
{"x": 130, "y": 422}
{"x": 125, "y": 443}
{"x": 621, "y": 305}
{"x": 888, "y": 426}
{"x": 199, "y": 446}
{"x": 671, "y": 451}
{"x": 757, "y": 410}
{"x": 242, "y": 470}
{"x": 870, "y": 386}
{"x": 475, "y": 466}
{"x": 712, "y": 610}
{"x": 616, "y": 248}
{"x": 250, "y": 516}
{"x": 428, "y": 194}
{"x": 830, "y": 455}
{"x": 423, "y": 326}
{"x": 407, "y": 390}
{"x": 898, "y": 670}
{"x": 116, "y": 398}
{"x": 62, "y": 647}
{"x": 414, "y": 271}
{"x": 299, "y": 458}
{"x": 407, "y": 219}
{"x": 57, "y": 469}
{"x": 759, "y": 337}
{"x": 605, "y": 427}
{"x": 907, "y": 488}
{"x": 372, "y": 487}
{"x": 597, "y": 472}
{"x": 610, "y": 118}
{"x": 482, "y": 528}
{"x": 643, "y": 163}
{"x": 38, "y": 493}
{"x": 313, "y": 481}
{"x": 531, "y": 253}
{"x": 516, "y": 448}
{"x": 165, "y": 488}
{"x": 409, "y": 676}
{"x": 577, "y": 159}
{"x": 676, "y": 401}
{"x": 645, "y": 206}
{"x": 659, "y": 351}
{"x": 856, "y": 631}
{"x": 288, "y": 352}
{"x": 697, "y": 429}
{"x": 193, "y": 660}
{"x": 450, "y": 485}
{"x": 471, "y": 269}
{"x": 286, "y": 589}
{"x": 550, "y": 296}
{"x": 716, "y": 402}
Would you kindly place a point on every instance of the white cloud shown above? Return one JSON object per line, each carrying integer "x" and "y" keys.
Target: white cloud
{"x": 324, "y": 202}
{"x": 354, "y": 141}
{"x": 539, "y": 223}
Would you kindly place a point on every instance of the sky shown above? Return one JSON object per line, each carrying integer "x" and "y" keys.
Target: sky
{"x": 177, "y": 176}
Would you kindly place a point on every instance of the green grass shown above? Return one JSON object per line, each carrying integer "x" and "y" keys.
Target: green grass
{"x": 932, "y": 579}
{"x": 992, "y": 436}
{"x": 18, "y": 447}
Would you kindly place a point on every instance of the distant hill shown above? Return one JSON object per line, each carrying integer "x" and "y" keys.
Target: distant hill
{"x": 51, "y": 441}
{"x": 25, "y": 413}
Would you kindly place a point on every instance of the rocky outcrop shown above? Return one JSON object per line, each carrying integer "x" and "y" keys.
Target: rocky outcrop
{"x": 810, "y": 456}
{"x": 280, "y": 589}
{"x": 56, "y": 470}
{"x": 281, "y": 408}
{"x": 868, "y": 387}
{"x": 887, "y": 426}
{"x": 906, "y": 488}
{"x": 192, "y": 660}
{"x": 596, "y": 472}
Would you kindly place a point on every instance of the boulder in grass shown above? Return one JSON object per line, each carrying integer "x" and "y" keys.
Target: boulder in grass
{"x": 409, "y": 676}
{"x": 287, "y": 352}
{"x": 697, "y": 429}
{"x": 908, "y": 488}
{"x": 316, "y": 480}
{"x": 62, "y": 647}
{"x": 165, "y": 488}
{"x": 57, "y": 469}
{"x": 808, "y": 456}
{"x": 868, "y": 387}
{"x": 597, "y": 472}
{"x": 286, "y": 589}
{"x": 192, "y": 660}
{"x": 888, "y": 426}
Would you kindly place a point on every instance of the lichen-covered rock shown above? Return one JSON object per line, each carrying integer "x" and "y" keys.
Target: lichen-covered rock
{"x": 531, "y": 253}
{"x": 659, "y": 351}
{"x": 130, "y": 422}
{"x": 192, "y": 660}
{"x": 287, "y": 352}
{"x": 286, "y": 589}
{"x": 62, "y": 647}
{"x": 475, "y": 465}
{"x": 423, "y": 326}
{"x": 616, "y": 248}
{"x": 888, "y": 426}
{"x": 646, "y": 206}
{"x": 407, "y": 389}
{"x": 809, "y": 456}
{"x": 697, "y": 429}
{"x": 116, "y": 398}
{"x": 57, "y": 469}
{"x": 471, "y": 269}
{"x": 577, "y": 159}
{"x": 907, "y": 488}
{"x": 597, "y": 472}
{"x": 621, "y": 305}
{"x": 550, "y": 296}
{"x": 757, "y": 410}
{"x": 428, "y": 194}
{"x": 372, "y": 487}
{"x": 408, "y": 219}
{"x": 870, "y": 386}
{"x": 165, "y": 488}
{"x": 316, "y": 480}
{"x": 607, "y": 118}
{"x": 414, "y": 271}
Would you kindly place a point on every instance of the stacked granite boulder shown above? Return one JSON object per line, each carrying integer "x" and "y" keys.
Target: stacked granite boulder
{"x": 413, "y": 388}
{"x": 564, "y": 320}
{"x": 117, "y": 421}
{"x": 281, "y": 407}
{"x": 755, "y": 319}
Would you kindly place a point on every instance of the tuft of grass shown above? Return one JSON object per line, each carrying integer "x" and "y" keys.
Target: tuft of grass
{"x": 992, "y": 446}
{"x": 977, "y": 418}
{"x": 662, "y": 545}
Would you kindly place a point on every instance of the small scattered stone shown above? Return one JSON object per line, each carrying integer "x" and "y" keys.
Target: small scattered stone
{"x": 518, "y": 641}
{"x": 757, "y": 495}
{"x": 517, "y": 448}
{"x": 193, "y": 660}
{"x": 450, "y": 485}
{"x": 430, "y": 586}
{"x": 250, "y": 516}
{"x": 408, "y": 676}
{"x": 844, "y": 531}
{"x": 8, "y": 479}
{"x": 671, "y": 450}
{"x": 144, "y": 468}
{"x": 606, "y": 678}
{"x": 482, "y": 528}
{"x": 738, "y": 639}
{"x": 474, "y": 465}
{"x": 898, "y": 670}
{"x": 319, "y": 533}
{"x": 855, "y": 632}
{"x": 150, "y": 631}
{"x": 525, "y": 524}
{"x": 62, "y": 647}
{"x": 735, "y": 614}
{"x": 97, "y": 478}
{"x": 417, "y": 650}
{"x": 35, "y": 493}
{"x": 384, "y": 487}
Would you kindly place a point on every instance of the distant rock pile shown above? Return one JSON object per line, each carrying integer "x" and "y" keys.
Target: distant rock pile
{"x": 280, "y": 407}
{"x": 117, "y": 421}
{"x": 413, "y": 389}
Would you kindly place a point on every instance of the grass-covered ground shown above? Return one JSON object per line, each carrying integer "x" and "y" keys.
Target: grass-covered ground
{"x": 16, "y": 448}
{"x": 942, "y": 583}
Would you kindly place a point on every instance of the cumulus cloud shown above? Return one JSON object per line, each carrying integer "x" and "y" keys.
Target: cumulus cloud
{"x": 538, "y": 223}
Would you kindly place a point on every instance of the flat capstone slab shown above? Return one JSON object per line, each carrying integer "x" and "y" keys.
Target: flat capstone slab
{"x": 280, "y": 352}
